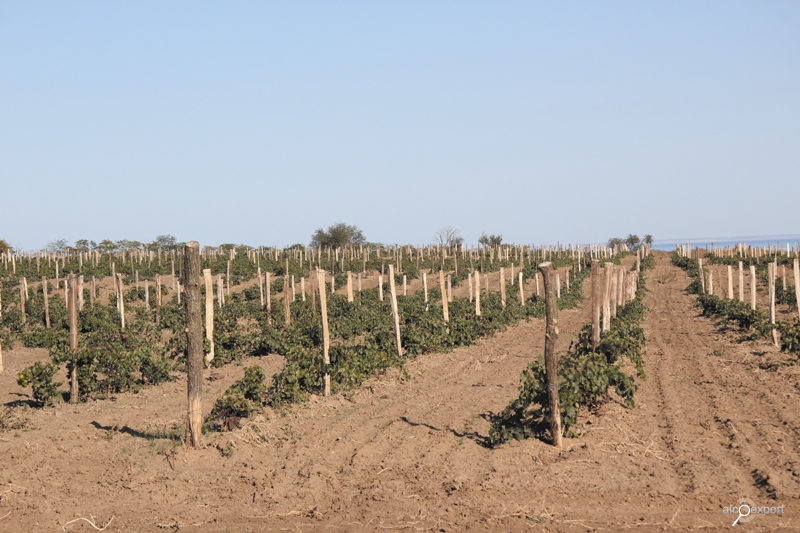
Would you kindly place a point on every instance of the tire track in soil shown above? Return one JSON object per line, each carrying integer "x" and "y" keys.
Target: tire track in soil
{"x": 709, "y": 410}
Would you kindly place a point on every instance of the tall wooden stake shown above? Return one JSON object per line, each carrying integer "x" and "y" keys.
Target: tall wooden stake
{"x": 550, "y": 359}
{"x": 445, "y": 309}
{"x": 597, "y": 297}
{"x": 209, "y": 309}
{"x": 194, "y": 329}
{"x": 72, "y": 310}
{"x": 395, "y": 312}
{"x": 326, "y": 336}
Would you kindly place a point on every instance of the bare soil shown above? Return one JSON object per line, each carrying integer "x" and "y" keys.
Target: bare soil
{"x": 714, "y": 421}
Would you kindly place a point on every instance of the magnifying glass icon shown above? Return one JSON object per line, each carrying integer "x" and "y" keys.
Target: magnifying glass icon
{"x": 742, "y": 514}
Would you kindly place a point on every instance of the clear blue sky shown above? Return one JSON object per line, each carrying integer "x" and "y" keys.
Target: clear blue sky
{"x": 258, "y": 122}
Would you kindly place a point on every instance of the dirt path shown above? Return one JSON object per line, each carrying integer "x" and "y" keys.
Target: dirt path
{"x": 713, "y": 422}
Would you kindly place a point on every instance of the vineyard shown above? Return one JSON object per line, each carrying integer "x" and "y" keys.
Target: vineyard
{"x": 373, "y": 387}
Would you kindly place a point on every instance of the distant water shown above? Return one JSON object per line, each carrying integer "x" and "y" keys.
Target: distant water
{"x": 759, "y": 241}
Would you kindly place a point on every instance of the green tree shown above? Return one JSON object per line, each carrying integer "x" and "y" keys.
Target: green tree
{"x": 633, "y": 241}
{"x": 490, "y": 240}
{"x": 648, "y": 240}
{"x": 4, "y": 246}
{"x": 338, "y": 235}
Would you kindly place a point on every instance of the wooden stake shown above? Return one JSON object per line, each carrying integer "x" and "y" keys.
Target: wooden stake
{"x": 597, "y": 297}
{"x": 503, "y": 287}
{"x": 326, "y": 337}
{"x": 550, "y": 358}
{"x": 395, "y": 311}
{"x": 209, "y": 309}
{"x": 797, "y": 283}
{"x": 194, "y": 330}
{"x": 72, "y": 311}
{"x": 741, "y": 282}
{"x": 45, "y": 292}
{"x": 287, "y": 310}
{"x": 771, "y": 268}
{"x": 121, "y": 300}
{"x": 753, "y": 287}
{"x": 477, "y": 293}
{"x": 349, "y": 286}
{"x": 521, "y": 290}
{"x": 442, "y": 288}
{"x": 730, "y": 282}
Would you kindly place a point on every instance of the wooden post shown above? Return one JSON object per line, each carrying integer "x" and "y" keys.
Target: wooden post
{"x": 502, "y": 287}
{"x": 380, "y": 287}
{"x": 158, "y": 298}
{"x": 303, "y": 287}
{"x": 550, "y": 359}
{"x": 796, "y": 268}
{"x": 558, "y": 286}
{"x": 121, "y": 300}
{"x": 287, "y": 310}
{"x": 613, "y": 292}
{"x": 209, "y": 309}
{"x": 597, "y": 297}
{"x": 521, "y": 290}
{"x": 260, "y": 286}
{"x": 425, "y": 288}
{"x": 771, "y": 270}
{"x": 405, "y": 285}
{"x": 22, "y": 298}
{"x": 450, "y": 287}
{"x": 80, "y": 293}
{"x": 442, "y": 288}
{"x": 753, "y": 287}
{"x": 45, "y": 292}
{"x": 702, "y": 273}
{"x": 194, "y": 330}
{"x": 269, "y": 291}
{"x": 741, "y": 282}
{"x": 349, "y": 286}
{"x": 607, "y": 297}
{"x": 395, "y": 311}
{"x": 730, "y": 282}
{"x": 146, "y": 294}
{"x": 477, "y": 293}
{"x": 326, "y": 336}
{"x": 72, "y": 311}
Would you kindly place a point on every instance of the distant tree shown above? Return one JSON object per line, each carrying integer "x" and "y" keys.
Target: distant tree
{"x": 106, "y": 246}
{"x": 338, "y": 235}
{"x": 60, "y": 245}
{"x": 449, "y": 236}
{"x": 490, "y": 240}
{"x": 4, "y": 246}
{"x": 85, "y": 245}
{"x": 648, "y": 240}
{"x": 164, "y": 241}
{"x": 125, "y": 244}
{"x": 615, "y": 241}
{"x": 633, "y": 241}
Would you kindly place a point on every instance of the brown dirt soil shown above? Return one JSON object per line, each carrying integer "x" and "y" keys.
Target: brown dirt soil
{"x": 713, "y": 423}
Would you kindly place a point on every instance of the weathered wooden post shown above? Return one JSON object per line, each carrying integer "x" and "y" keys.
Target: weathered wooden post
{"x": 730, "y": 282}
{"x": 287, "y": 310}
{"x": 597, "y": 297}
{"x": 22, "y": 298}
{"x": 771, "y": 271}
{"x": 45, "y": 292}
{"x": 260, "y": 286}
{"x": 121, "y": 300}
{"x": 380, "y": 287}
{"x": 326, "y": 337}
{"x": 395, "y": 311}
{"x": 477, "y": 293}
{"x": 521, "y": 290}
{"x": 741, "y": 282}
{"x": 425, "y": 288}
{"x": 209, "y": 309}
{"x": 550, "y": 358}
{"x": 72, "y": 312}
{"x": 349, "y": 286}
{"x": 753, "y": 287}
{"x": 442, "y": 288}
{"x": 503, "y": 288}
{"x": 797, "y": 283}
{"x": 194, "y": 331}
{"x": 158, "y": 298}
